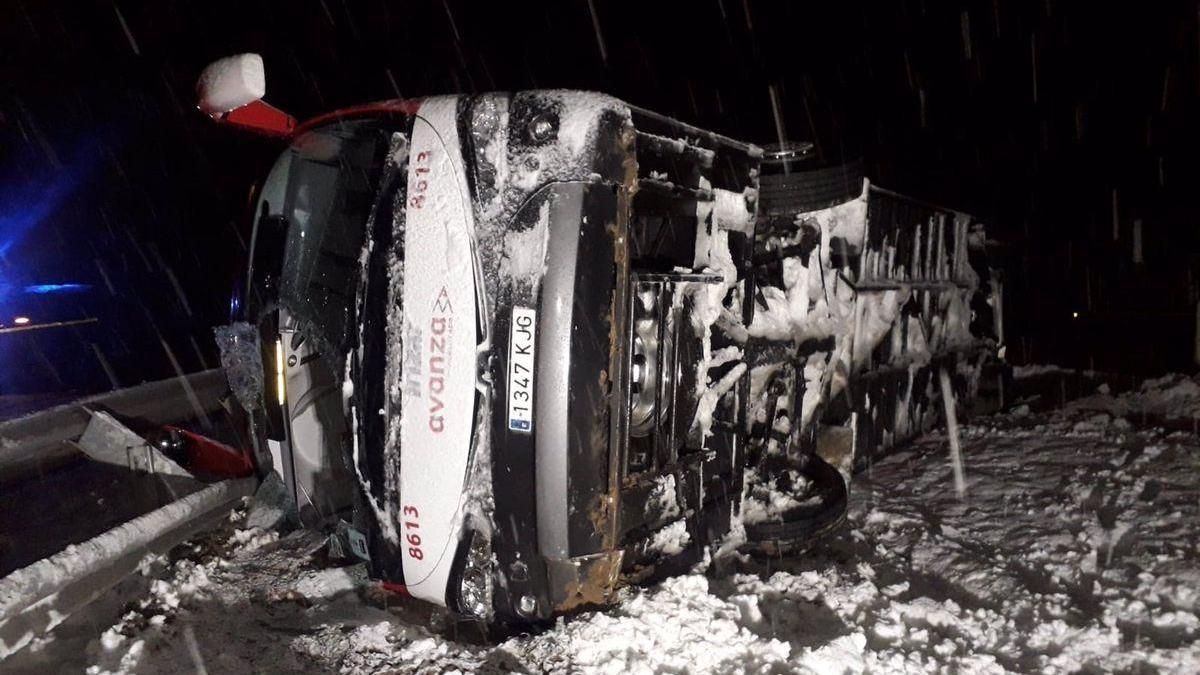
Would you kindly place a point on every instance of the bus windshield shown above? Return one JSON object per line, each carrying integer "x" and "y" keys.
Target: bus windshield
{"x": 311, "y": 217}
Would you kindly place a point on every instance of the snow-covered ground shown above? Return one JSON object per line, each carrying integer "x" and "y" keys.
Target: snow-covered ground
{"x": 1171, "y": 398}
{"x": 1077, "y": 548}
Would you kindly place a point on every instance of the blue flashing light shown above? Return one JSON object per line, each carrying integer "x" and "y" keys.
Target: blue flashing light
{"x": 43, "y": 289}
{"x": 29, "y": 198}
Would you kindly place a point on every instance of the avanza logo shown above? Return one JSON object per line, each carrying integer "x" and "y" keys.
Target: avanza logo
{"x": 441, "y": 329}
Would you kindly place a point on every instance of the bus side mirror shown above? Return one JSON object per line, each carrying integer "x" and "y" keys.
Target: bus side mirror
{"x": 231, "y": 82}
{"x": 230, "y": 90}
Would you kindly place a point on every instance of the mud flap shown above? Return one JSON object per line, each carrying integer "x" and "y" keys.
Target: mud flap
{"x": 835, "y": 445}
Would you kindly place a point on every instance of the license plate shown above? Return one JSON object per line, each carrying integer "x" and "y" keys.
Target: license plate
{"x": 521, "y": 335}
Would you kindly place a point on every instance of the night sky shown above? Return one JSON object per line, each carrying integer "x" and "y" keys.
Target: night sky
{"x": 1029, "y": 114}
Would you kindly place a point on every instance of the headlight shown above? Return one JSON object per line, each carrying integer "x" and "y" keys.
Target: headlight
{"x": 475, "y": 584}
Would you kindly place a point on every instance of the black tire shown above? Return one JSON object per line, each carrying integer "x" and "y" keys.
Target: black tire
{"x": 802, "y": 527}
{"x": 786, "y": 194}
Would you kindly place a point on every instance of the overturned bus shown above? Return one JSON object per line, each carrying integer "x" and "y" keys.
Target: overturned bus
{"x": 546, "y": 344}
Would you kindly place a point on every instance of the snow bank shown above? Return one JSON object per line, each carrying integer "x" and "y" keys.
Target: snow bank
{"x": 1172, "y": 397}
{"x": 1034, "y": 370}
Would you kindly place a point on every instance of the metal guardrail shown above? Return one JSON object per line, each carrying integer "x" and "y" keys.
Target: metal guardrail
{"x": 25, "y": 327}
{"x": 38, "y": 442}
{"x": 36, "y": 599}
